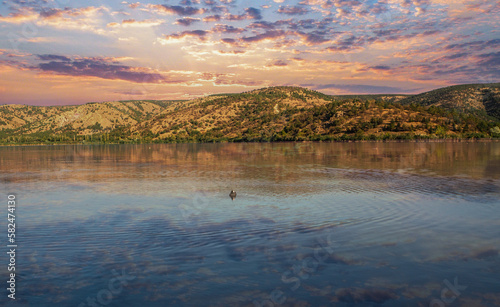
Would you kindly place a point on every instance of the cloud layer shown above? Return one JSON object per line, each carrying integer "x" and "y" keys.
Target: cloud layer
{"x": 337, "y": 46}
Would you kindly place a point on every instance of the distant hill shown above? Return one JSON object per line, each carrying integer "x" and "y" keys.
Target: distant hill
{"x": 268, "y": 114}
{"x": 481, "y": 99}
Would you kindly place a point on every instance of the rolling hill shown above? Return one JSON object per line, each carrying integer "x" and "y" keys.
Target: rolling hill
{"x": 481, "y": 99}
{"x": 268, "y": 114}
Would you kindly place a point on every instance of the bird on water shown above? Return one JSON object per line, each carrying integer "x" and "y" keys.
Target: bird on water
{"x": 232, "y": 194}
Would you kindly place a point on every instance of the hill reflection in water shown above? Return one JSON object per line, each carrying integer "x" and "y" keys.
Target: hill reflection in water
{"x": 389, "y": 221}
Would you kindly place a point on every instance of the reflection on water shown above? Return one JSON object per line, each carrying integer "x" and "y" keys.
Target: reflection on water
{"x": 313, "y": 224}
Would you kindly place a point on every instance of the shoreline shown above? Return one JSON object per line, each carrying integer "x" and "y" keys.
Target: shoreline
{"x": 454, "y": 140}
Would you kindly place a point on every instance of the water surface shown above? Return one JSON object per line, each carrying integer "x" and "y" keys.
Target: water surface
{"x": 313, "y": 224}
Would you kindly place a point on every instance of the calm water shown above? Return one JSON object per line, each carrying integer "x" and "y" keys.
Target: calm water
{"x": 313, "y": 224}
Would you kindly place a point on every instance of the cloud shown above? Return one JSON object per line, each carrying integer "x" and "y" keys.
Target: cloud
{"x": 186, "y": 21}
{"x": 189, "y": 2}
{"x": 36, "y": 5}
{"x": 475, "y": 45}
{"x": 362, "y": 88}
{"x": 230, "y": 41}
{"x": 226, "y": 80}
{"x": 278, "y": 63}
{"x": 315, "y": 37}
{"x": 23, "y": 15}
{"x": 134, "y": 5}
{"x": 142, "y": 24}
{"x": 104, "y": 68}
{"x": 325, "y": 4}
{"x": 250, "y": 13}
{"x": 253, "y": 13}
{"x": 456, "y": 56}
{"x": 176, "y": 9}
{"x": 267, "y": 25}
{"x": 347, "y": 44}
{"x": 229, "y": 53}
{"x": 293, "y": 10}
{"x": 380, "y": 67}
{"x": 53, "y": 57}
{"x": 212, "y": 18}
{"x": 84, "y": 19}
{"x": 490, "y": 60}
{"x": 222, "y": 28}
{"x": 264, "y": 36}
{"x": 200, "y": 34}
{"x": 56, "y": 13}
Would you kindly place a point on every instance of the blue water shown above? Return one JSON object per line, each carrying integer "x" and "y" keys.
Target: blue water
{"x": 313, "y": 224}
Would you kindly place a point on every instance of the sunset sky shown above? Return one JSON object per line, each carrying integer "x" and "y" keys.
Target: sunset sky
{"x": 58, "y": 52}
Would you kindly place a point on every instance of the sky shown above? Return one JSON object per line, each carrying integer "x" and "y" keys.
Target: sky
{"x": 64, "y": 52}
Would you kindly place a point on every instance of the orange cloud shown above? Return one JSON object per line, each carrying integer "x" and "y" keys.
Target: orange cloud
{"x": 24, "y": 15}
{"x": 212, "y": 18}
{"x": 142, "y": 24}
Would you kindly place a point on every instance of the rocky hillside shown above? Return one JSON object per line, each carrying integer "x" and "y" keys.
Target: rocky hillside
{"x": 269, "y": 114}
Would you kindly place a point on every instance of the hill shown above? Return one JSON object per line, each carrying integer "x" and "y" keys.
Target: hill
{"x": 480, "y": 99}
{"x": 63, "y": 123}
{"x": 269, "y": 114}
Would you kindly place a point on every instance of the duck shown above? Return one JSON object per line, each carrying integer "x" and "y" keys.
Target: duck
{"x": 232, "y": 194}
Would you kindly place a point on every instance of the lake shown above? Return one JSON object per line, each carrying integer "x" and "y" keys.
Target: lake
{"x": 313, "y": 224}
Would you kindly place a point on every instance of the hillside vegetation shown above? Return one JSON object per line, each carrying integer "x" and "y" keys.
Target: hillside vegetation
{"x": 480, "y": 99}
{"x": 269, "y": 114}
